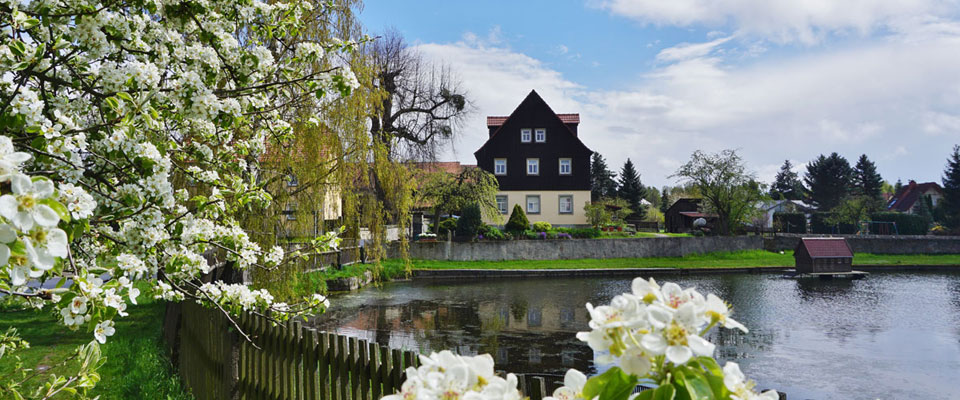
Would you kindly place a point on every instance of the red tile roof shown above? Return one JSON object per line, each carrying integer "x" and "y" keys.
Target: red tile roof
{"x": 496, "y": 120}
{"x": 827, "y": 247}
{"x": 909, "y": 194}
{"x": 569, "y": 118}
{"x": 453, "y": 167}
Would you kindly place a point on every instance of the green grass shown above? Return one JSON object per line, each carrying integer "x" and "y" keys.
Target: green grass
{"x": 740, "y": 259}
{"x": 316, "y": 282}
{"x": 135, "y": 366}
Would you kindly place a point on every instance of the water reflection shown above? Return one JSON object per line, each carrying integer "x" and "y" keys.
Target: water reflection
{"x": 885, "y": 336}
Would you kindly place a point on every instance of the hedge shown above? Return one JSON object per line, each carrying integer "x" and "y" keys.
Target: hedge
{"x": 819, "y": 224}
{"x": 907, "y": 224}
{"x": 790, "y": 222}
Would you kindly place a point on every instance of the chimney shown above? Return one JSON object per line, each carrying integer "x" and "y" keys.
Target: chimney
{"x": 912, "y": 184}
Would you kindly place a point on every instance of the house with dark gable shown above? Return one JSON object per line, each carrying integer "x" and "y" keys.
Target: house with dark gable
{"x": 540, "y": 163}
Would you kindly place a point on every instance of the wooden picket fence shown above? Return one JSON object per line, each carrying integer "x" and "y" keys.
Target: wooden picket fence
{"x": 287, "y": 361}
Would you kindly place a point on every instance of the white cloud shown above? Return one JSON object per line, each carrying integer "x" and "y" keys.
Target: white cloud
{"x": 807, "y": 21}
{"x": 686, "y": 51}
{"x": 880, "y": 99}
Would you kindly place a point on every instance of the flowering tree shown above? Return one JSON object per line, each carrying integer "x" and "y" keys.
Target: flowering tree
{"x": 104, "y": 105}
{"x": 653, "y": 335}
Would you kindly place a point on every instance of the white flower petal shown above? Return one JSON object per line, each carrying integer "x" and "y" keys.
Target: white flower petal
{"x": 21, "y": 184}
{"x": 45, "y": 216}
{"x": 679, "y": 354}
{"x": 23, "y": 220}
{"x": 7, "y": 233}
{"x": 700, "y": 346}
{"x": 4, "y": 254}
{"x": 8, "y": 206}
{"x": 43, "y": 188}
{"x": 654, "y": 342}
{"x": 57, "y": 242}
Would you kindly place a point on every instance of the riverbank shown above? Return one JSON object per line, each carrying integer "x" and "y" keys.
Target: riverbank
{"x": 135, "y": 366}
{"x": 738, "y": 259}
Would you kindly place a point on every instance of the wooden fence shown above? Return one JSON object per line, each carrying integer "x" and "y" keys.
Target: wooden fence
{"x": 287, "y": 361}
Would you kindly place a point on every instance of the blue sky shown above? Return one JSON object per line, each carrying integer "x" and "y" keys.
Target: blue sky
{"x": 655, "y": 80}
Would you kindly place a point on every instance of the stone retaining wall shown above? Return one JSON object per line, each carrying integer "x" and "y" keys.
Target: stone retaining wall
{"x": 578, "y": 248}
{"x": 877, "y": 244}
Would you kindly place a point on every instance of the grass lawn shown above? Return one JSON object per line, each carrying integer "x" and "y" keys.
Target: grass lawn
{"x": 741, "y": 259}
{"x": 135, "y": 366}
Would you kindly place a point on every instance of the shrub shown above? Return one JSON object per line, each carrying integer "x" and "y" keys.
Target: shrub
{"x": 819, "y": 224}
{"x": 448, "y": 224}
{"x": 518, "y": 220}
{"x": 790, "y": 222}
{"x": 470, "y": 221}
{"x": 581, "y": 233}
{"x": 541, "y": 226}
{"x": 491, "y": 233}
{"x": 907, "y": 224}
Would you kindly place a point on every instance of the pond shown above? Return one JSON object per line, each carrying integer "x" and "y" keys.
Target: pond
{"x": 888, "y": 336}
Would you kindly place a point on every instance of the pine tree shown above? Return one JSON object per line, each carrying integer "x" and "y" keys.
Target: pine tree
{"x": 787, "y": 184}
{"x": 828, "y": 180}
{"x": 866, "y": 181}
{"x": 602, "y": 183}
{"x": 897, "y": 186}
{"x": 665, "y": 199}
{"x": 630, "y": 188}
{"x": 951, "y": 189}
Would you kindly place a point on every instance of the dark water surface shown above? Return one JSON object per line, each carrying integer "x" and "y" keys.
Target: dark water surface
{"x": 888, "y": 336}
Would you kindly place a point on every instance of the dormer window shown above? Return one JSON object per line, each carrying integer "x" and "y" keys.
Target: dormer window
{"x": 566, "y": 166}
{"x": 500, "y": 166}
{"x": 541, "y": 135}
{"x": 525, "y": 135}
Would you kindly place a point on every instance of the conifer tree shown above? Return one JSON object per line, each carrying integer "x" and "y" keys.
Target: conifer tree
{"x": 602, "y": 183}
{"x": 630, "y": 188}
{"x": 951, "y": 189}
{"x": 518, "y": 220}
{"x": 867, "y": 181}
{"x": 665, "y": 199}
{"x": 787, "y": 184}
{"x": 828, "y": 181}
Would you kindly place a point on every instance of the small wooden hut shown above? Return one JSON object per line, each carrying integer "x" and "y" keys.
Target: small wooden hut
{"x": 823, "y": 255}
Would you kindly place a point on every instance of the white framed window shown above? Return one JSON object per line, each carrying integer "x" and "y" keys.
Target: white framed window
{"x": 291, "y": 210}
{"x": 502, "y": 204}
{"x": 533, "y": 204}
{"x": 499, "y": 166}
{"x": 525, "y": 135}
{"x": 540, "y": 135}
{"x": 566, "y": 166}
{"x": 566, "y": 204}
{"x": 292, "y": 180}
{"x": 533, "y": 166}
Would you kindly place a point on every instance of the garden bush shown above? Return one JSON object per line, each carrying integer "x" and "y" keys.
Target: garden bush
{"x": 488, "y": 232}
{"x": 790, "y": 222}
{"x": 819, "y": 224}
{"x": 581, "y": 233}
{"x": 470, "y": 221}
{"x": 518, "y": 220}
{"x": 541, "y": 226}
{"x": 448, "y": 224}
{"x": 907, "y": 224}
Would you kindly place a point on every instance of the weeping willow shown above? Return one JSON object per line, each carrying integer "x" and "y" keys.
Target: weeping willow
{"x": 330, "y": 175}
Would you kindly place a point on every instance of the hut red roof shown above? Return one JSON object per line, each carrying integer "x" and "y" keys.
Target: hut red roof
{"x": 827, "y": 247}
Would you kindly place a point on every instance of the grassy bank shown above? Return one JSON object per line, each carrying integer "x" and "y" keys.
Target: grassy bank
{"x": 135, "y": 366}
{"x": 740, "y": 259}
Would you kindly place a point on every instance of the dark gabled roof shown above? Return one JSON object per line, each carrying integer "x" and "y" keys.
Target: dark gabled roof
{"x": 499, "y": 121}
{"x": 909, "y": 194}
{"x": 826, "y": 247}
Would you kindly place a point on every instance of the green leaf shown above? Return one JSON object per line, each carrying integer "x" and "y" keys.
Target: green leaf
{"x": 665, "y": 392}
{"x": 611, "y": 385}
{"x": 125, "y": 96}
{"x": 692, "y": 384}
{"x": 42, "y": 48}
{"x": 30, "y": 23}
{"x": 645, "y": 395}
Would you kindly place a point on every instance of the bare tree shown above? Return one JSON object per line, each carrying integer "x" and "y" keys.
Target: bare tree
{"x": 422, "y": 106}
